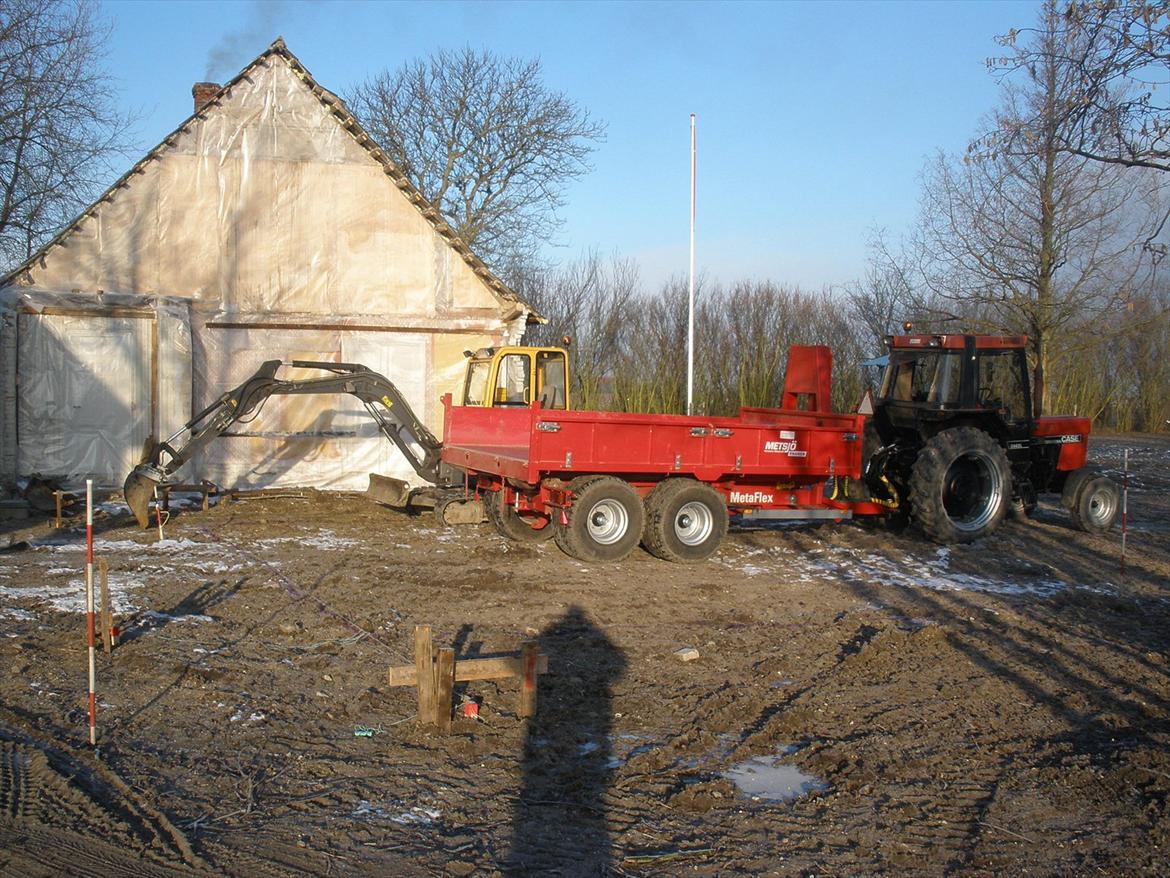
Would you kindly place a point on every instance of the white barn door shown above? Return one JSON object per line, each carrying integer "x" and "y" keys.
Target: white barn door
{"x": 84, "y": 407}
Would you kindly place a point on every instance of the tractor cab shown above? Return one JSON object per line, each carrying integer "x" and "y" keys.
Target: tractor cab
{"x": 937, "y": 379}
{"x": 517, "y": 376}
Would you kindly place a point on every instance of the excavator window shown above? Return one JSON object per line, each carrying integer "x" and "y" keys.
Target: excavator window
{"x": 513, "y": 380}
{"x": 550, "y": 378}
{"x": 478, "y": 373}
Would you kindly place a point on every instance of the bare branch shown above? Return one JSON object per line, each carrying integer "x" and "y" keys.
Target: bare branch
{"x": 485, "y": 140}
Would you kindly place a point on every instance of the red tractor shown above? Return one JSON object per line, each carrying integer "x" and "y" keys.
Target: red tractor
{"x": 953, "y": 442}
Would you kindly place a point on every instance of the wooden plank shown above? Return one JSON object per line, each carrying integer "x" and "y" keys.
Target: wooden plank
{"x": 444, "y": 686}
{"x": 107, "y": 615}
{"x": 528, "y": 659}
{"x": 424, "y": 674}
{"x": 466, "y": 670}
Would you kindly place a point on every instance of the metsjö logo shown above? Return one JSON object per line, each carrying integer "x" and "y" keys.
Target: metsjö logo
{"x": 786, "y": 447}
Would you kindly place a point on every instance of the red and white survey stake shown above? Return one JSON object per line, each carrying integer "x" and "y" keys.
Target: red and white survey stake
{"x": 1124, "y": 503}
{"x": 91, "y": 627}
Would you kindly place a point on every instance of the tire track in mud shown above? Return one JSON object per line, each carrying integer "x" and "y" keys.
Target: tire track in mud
{"x": 63, "y": 808}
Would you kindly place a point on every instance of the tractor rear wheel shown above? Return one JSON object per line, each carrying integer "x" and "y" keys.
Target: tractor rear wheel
{"x": 1095, "y": 504}
{"x": 521, "y": 527}
{"x": 960, "y": 485}
{"x": 604, "y": 522}
{"x": 685, "y": 521}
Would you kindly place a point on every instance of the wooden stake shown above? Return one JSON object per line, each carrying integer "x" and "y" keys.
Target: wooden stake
{"x": 435, "y": 675}
{"x": 107, "y": 616}
{"x": 528, "y": 659}
{"x": 57, "y": 497}
{"x": 444, "y": 684}
{"x": 424, "y": 667}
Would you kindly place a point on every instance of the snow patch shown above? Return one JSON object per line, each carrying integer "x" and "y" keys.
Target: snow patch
{"x": 70, "y": 598}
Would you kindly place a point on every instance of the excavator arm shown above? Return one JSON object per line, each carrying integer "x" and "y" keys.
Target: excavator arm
{"x": 382, "y": 400}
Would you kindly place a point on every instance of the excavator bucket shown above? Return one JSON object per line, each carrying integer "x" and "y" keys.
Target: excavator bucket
{"x": 392, "y": 492}
{"x": 138, "y": 490}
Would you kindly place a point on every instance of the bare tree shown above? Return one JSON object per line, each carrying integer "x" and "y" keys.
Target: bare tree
{"x": 1113, "y": 58}
{"x": 890, "y": 291}
{"x": 485, "y": 140}
{"x": 590, "y": 300}
{"x": 1036, "y": 236}
{"x": 60, "y": 129}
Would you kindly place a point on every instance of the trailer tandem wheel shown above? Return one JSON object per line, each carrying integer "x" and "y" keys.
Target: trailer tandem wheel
{"x": 526, "y": 528}
{"x": 604, "y": 522}
{"x": 686, "y": 520}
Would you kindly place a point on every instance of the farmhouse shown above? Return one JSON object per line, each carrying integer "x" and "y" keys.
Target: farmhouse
{"x": 267, "y": 226}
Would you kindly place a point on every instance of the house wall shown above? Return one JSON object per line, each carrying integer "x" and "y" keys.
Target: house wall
{"x": 287, "y": 240}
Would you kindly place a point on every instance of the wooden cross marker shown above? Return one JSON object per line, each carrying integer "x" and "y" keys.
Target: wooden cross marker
{"x": 435, "y": 673}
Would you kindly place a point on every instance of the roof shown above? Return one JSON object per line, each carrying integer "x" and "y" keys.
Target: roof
{"x": 347, "y": 121}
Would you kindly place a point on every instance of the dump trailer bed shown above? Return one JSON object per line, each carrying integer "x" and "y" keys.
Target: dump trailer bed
{"x": 530, "y": 444}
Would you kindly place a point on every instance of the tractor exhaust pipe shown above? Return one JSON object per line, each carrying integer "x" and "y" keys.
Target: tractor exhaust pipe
{"x": 138, "y": 490}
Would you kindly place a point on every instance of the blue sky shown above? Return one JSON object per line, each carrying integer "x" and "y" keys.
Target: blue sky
{"x": 814, "y": 119}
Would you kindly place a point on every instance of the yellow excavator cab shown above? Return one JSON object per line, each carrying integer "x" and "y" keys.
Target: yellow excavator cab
{"x": 516, "y": 376}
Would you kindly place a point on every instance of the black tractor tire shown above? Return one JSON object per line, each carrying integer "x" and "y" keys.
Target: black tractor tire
{"x": 1072, "y": 485}
{"x": 519, "y": 528}
{"x": 960, "y": 486}
{"x": 604, "y": 522}
{"x": 1095, "y": 505}
{"x": 685, "y": 521}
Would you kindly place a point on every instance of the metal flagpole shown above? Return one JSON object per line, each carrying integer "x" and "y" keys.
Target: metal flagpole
{"x": 691, "y": 285}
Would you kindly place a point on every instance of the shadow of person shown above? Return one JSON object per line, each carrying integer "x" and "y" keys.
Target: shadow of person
{"x": 559, "y": 826}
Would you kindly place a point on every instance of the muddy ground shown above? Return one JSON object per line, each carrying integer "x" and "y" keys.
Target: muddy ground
{"x": 995, "y": 709}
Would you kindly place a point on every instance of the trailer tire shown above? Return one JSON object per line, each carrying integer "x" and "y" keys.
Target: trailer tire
{"x": 604, "y": 522}
{"x": 1095, "y": 504}
{"x": 686, "y": 520}
{"x": 960, "y": 485}
{"x": 519, "y": 528}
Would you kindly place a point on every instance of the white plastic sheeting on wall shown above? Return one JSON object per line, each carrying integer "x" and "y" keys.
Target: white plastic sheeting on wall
{"x": 84, "y": 389}
{"x": 320, "y": 441}
{"x": 84, "y": 394}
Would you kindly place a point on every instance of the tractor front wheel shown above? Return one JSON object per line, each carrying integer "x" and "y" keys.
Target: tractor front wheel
{"x": 960, "y": 485}
{"x": 1093, "y": 502}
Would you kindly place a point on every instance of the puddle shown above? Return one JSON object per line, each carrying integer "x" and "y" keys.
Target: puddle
{"x": 768, "y": 779}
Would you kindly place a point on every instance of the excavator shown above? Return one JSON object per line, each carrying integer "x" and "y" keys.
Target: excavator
{"x": 501, "y": 376}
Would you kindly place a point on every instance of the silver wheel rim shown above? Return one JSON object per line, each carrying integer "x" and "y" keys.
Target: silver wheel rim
{"x": 607, "y": 522}
{"x": 975, "y": 472}
{"x": 693, "y": 524}
{"x": 1101, "y": 507}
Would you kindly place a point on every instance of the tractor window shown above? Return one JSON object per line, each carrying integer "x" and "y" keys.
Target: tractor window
{"x": 923, "y": 376}
{"x": 550, "y": 371}
{"x": 1002, "y": 384}
{"x": 476, "y": 392}
{"x": 513, "y": 378}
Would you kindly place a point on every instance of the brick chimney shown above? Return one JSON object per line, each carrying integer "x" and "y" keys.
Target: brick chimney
{"x": 203, "y": 92}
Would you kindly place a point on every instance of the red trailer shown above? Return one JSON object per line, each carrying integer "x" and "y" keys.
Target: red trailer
{"x": 600, "y": 482}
